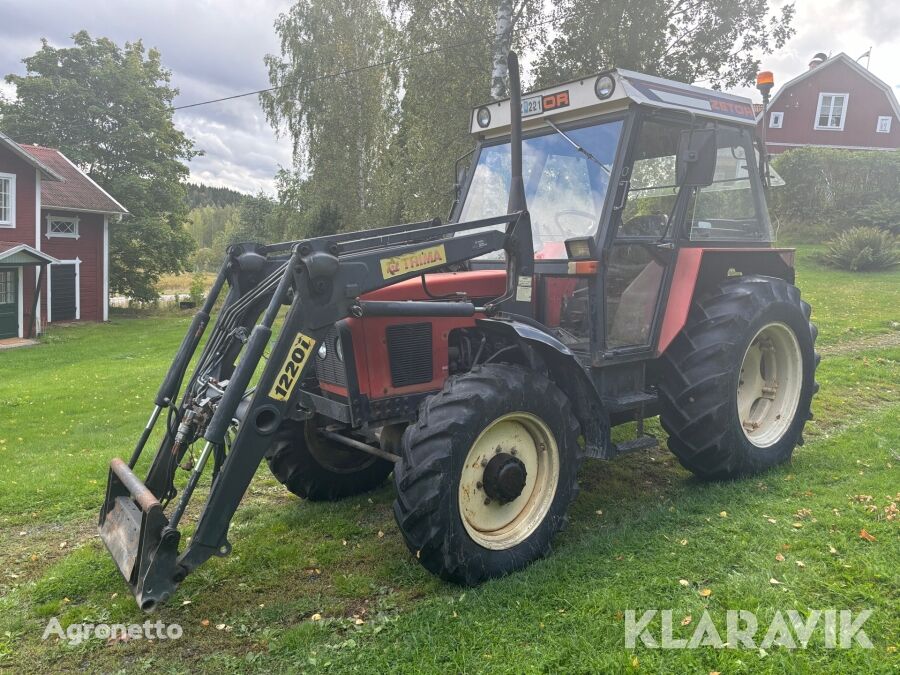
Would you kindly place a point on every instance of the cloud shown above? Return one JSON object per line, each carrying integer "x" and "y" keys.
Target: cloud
{"x": 214, "y": 48}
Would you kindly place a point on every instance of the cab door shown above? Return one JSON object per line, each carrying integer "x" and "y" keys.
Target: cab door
{"x": 639, "y": 252}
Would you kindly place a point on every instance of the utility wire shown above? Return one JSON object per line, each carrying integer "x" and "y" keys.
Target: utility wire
{"x": 357, "y": 69}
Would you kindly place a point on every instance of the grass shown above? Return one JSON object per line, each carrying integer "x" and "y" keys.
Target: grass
{"x": 640, "y": 525}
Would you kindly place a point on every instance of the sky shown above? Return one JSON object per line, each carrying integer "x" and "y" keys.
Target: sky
{"x": 215, "y": 48}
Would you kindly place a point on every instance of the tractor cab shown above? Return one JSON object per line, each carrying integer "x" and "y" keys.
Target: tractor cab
{"x": 621, "y": 171}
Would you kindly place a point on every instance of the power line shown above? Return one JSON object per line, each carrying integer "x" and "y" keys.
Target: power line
{"x": 382, "y": 64}
{"x": 357, "y": 69}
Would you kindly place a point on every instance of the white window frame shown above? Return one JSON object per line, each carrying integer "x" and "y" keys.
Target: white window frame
{"x": 775, "y": 120}
{"x": 62, "y": 219}
{"x": 822, "y": 95}
{"x": 11, "y": 223}
{"x": 883, "y": 118}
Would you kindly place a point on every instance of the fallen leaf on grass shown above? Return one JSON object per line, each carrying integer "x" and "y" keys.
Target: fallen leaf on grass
{"x": 380, "y": 534}
{"x": 865, "y": 535}
{"x": 775, "y": 582}
{"x": 316, "y": 617}
{"x": 684, "y": 582}
{"x": 779, "y": 557}
{"x": 205, "y": 622}
{"x": 683, "y": 542}
{"x": 705, "y": 592}
{"x": 798, "y": 525}
{"x": 635, "y": 662}
{"x": 63, "y": 544}
{"x": 832, "y": 550}
{"x": 803, "y": 513}
{"x": 686, "y": 620}
{"x": 360, "y": 622}
{"x": 599, "y": 512}
{"x": 723, "y": 514}
{"x": 800, "y": 563}
{"x": 772, "y": 520}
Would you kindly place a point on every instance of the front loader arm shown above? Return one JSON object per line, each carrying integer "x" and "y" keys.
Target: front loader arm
{"x": 321, "y": 282}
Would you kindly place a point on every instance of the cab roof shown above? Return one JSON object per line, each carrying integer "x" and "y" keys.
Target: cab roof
{"x": 578, "y": 98}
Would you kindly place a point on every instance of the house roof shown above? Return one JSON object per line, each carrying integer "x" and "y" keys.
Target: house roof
{"x": 47, "y": 173}
{"x": 853, "y": 65}
{"x": 77, "y": 191}
{"x": 19, "y": 253}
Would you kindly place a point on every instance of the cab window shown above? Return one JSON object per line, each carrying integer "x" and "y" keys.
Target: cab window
{"x": 728, "y": 209}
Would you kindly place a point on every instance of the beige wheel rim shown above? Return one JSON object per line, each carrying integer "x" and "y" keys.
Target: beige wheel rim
{"x": 769, "y": 384}
{"x": 490, "y": 522}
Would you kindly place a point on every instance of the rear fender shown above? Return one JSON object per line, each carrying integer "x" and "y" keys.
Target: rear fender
{"x": 545, "y": 354}
{"x": 698, "y": 269}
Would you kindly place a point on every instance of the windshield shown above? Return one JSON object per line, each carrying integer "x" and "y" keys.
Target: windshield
{"x": 565, "y": 185}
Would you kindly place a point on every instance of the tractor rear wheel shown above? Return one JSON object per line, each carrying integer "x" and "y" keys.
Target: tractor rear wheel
{"x": 487, "y": 473}
{"x": 737, "y": 382}
{"x": 314, "y": 468}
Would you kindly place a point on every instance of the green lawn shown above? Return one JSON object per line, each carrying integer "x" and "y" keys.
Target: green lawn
{"x": 331, "y": 586}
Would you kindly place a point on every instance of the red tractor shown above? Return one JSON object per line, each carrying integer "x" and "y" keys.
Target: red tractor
{"x": 609, "y": 258}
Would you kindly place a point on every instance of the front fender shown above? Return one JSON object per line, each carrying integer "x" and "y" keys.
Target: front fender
{"x": 543, "y": 350}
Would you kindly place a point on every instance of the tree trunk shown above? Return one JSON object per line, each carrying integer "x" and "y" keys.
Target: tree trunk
{"x": 503, "y": 29}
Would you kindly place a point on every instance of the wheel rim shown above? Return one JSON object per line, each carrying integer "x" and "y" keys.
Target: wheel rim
{"x": 769, "y": 385}
{"x": 491, "y": 522}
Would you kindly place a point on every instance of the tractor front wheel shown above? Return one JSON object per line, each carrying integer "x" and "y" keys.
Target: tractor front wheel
{"x": 317, "y": 469}
{"x": 738, "y": 381}
{"x": 487, "y": 473}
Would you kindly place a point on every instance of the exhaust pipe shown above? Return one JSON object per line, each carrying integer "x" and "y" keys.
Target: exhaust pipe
{"x": 517, "y": 184}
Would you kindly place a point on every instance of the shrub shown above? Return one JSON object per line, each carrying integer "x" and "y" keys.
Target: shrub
{"x": 828, "y": 190}
{"x": 198, "y": 288}
{"x": 863, "y": 249}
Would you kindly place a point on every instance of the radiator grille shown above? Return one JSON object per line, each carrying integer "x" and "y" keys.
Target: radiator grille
{"x": 330, "y": 369}
{"x": 409, "y": 354}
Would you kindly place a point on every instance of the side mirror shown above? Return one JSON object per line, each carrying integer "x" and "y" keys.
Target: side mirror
{"x": 696, "y": 161}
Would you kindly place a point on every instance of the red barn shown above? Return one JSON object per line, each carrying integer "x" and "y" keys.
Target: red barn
{"x": 54, "y": 239}
{"x": 835, "y": 104}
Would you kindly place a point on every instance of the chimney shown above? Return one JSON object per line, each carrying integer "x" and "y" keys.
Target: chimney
{"x": 817, "y": 60}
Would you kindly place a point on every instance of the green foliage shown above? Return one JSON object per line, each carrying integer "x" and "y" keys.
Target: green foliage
{"x": 863, "y": 249}
{"x": 109, "y": 109}
{"x": 206, "y": 195}
{"x": 828, "y": 190}
{"x": 198, "y": 288}
{"x": 714, "y": 40}
{"x": 338, "y": 127}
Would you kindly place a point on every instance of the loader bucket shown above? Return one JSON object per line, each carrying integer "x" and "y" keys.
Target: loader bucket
{"x": 135, "y": 531}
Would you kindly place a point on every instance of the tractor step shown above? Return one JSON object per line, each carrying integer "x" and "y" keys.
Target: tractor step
{"x": 630, "y": 401}
{"x": 639, "y": 443}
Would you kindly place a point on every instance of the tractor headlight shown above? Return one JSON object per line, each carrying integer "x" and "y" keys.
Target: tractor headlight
{"x": 483, "y": 117}
{"x": 323, "y": 351}
{"x": 339, "y": 350}
{"x": 580, "y": 249}
{"x": 604, "y": 86}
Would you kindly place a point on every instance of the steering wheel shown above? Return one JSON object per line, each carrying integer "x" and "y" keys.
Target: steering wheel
{"x": 567, "y": 232}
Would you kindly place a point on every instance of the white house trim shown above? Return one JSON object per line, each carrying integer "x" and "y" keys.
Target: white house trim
{"x": 11, "y": 177}
{"x": 93, "y": 182}
{"x": 62, "y": 235}
{"x": 37, "y": 245}
{"x": 21, "y": 303}
{"x": 823, "y": 145}
{"x": 844, "y": 105}
{"x": 106, "y": 268}
{"x": 77, "y": 263}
